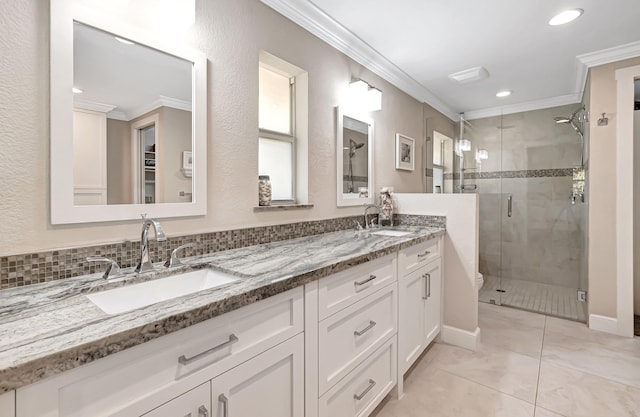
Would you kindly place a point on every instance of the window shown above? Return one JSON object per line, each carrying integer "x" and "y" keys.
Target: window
{"x": 277, "y": 141}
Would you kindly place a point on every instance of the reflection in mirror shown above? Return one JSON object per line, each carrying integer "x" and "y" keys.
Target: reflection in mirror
{"x": 126, "y": 94}
{"x": 132, "y": 121}
{"x": 443, "y": 158}
{"x": 355, "y": 159}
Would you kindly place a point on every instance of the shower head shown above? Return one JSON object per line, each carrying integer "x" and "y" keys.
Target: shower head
{"x": 353, "y": 146}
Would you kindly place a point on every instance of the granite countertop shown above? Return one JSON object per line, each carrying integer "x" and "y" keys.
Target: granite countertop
{"x": 49, "y": 328}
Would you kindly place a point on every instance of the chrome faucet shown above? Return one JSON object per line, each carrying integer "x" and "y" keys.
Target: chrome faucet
{"x": 366, "y": 214}
{"x": 145, "y": 260}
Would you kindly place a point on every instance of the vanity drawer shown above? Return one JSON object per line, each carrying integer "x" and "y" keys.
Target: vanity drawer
{"x": 361, "y": 392}
{"x": 138, "y": 374}
{"x": 349, "y": 336}
{"x": 414, "y": 257}
{"x": 340, "y": 290}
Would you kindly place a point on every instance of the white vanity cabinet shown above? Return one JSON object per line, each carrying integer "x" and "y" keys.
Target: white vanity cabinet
{"x": 194, "y": 403}
{"x": 138, "y": 380}
{"x": 350, "y": 328}
{"x": 420, "y": 294}
{"x": 271, "y": 384}
{"x": 7, "y": 404}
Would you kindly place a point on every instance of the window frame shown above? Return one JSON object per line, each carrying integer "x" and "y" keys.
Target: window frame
{"x": 283, "y": 136}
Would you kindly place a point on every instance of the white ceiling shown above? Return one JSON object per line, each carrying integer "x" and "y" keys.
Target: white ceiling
{"x": 430, "y": 39}
{"x": 130, "y": 79}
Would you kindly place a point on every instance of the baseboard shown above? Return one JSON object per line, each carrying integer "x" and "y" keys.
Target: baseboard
{"x": 461, "y": 338}
{"x": 603, "y": 323}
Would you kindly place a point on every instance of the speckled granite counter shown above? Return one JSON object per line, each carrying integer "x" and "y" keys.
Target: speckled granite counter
{"x": 49, "y": 328}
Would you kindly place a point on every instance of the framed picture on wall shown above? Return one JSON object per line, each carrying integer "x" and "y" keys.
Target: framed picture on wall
{"x": 405, "y": 152}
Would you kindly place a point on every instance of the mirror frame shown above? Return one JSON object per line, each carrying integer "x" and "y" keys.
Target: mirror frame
{"x": 63, "y": 210}
{"x": 352, "y": 199}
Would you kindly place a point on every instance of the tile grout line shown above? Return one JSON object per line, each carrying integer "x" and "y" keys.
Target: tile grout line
{"x": 487, "y": 387}
{"x": 535, "y": 401}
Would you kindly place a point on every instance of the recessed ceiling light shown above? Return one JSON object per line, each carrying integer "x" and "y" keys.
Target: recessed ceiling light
{"x": 77, "y": 90}
{"x": 505, "y": 93}
{"x": 125, "y": 41}
{"x": 565, "y": 17}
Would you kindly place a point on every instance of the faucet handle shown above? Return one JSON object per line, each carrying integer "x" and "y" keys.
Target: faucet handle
{"x": 358, "y": 225}
{"x": 173, "y": 259}
{"x": 113, "y": 268}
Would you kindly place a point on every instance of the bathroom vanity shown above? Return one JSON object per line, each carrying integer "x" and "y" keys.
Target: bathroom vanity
{"x": 310, "y": 328}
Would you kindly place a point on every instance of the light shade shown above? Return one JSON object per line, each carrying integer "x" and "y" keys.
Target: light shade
{"x": 503, "y": 93}
{"x": 465, "y": 145}
{"x": 364, "y": 97}
{"x": 483, "y": 154}
{"x": 565, "y": 17}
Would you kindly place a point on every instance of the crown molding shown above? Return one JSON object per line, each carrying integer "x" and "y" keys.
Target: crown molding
{"x": 526, "y": 106}
{"x": 602, "y": 57}
{"x": 162, "y": 101}
{"x": 320, "y": 24}
{"x": 92, "y": 105}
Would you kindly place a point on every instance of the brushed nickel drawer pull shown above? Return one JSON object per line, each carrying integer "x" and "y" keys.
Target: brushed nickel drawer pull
{"x": 372, "y": 384}
{"x": 366, "y": 329}
{"x": 225, "y": 405}
{"x": 428, "y": 285}
{"x": 203, "y": 412}
{"x": 186, "y": 361}
{"x": 422, "y": 255}
{"x": 371, "y": 278}
{"x": 425, "y": 293}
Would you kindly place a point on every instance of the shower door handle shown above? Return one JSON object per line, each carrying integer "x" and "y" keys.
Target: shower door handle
{"x": 509, "y": 205}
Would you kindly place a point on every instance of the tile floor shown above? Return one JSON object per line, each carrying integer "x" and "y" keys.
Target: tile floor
{"x": 528, "y": 365}
{"x": 553, "y": 300}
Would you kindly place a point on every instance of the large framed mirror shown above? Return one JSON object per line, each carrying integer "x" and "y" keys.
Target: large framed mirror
{"x": 354, "y": 149}
{"x": 128, "y": 121}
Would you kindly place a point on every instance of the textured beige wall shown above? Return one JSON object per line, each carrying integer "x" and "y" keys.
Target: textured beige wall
{"x": 230, "y": 33}
{"x": 602, "y": 198}
{"x": 119, "y": 184}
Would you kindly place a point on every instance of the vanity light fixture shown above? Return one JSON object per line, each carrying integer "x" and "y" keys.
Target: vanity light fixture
{"x": 125, "y": 41}
{"x": 503, "y": 93}
{"x": 77, "y": 90}
{"x": 483, "y": 154}
{"x": 364, "y": 96}
{"x": 565, "y": 17}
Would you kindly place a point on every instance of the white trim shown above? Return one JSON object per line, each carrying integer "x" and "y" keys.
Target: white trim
{"x": 624, "y": 198}
{"x": 461, "y": 338}
{"x": 92, "y": 105}
{"x": 527, "y": 106}
{"x": 603, "y": 323}
{"x": 314, "y": 20}
{"x": 163, "y": 101}
{"x": 601, "y": 57}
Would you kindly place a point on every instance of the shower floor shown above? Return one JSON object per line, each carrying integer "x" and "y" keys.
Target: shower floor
{"x": 552, "y": 300}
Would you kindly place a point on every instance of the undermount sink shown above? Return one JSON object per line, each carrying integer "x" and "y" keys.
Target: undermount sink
{"x": 390, "y": 232}
{"x": 130, "y": 297}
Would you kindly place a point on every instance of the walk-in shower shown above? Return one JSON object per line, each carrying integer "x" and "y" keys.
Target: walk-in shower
{"x": 529, "y": 171}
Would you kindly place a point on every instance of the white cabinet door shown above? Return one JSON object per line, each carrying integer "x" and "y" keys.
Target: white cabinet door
{"x": 271, "y": 384}
{"x": 432, "y": 303}
{"x": 8, "y": 404}
{"x": 411, "y": 320}
{"x": 194, "y": 403}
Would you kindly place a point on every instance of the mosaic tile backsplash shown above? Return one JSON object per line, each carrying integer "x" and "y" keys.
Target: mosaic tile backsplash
{"x": 34, "y": 268}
